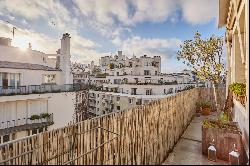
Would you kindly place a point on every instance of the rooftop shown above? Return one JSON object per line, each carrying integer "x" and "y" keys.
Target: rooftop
{"x": 28, "y": 66}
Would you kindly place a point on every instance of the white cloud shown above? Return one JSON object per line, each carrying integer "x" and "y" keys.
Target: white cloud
{"x": 24, "y": 36}
{"x": 160, "y": 47}
{"x": 110, "y": 18}
{"x": 199, "y": 11}
{"x": 114, "y": 18}
{"x": 131, "y": 12}
{"x": 28, "y": 9}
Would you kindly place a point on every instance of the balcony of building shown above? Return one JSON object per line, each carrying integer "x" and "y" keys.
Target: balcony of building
{"x": 163, "y": 132}
{"x": 39, "y": 89}
{"x": 22, "y": 124}
{"x": 188, "y": 149}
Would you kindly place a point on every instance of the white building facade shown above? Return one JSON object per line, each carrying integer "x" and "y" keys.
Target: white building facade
{"x": 128, "y": 82}
{"x": 33, "y": 86}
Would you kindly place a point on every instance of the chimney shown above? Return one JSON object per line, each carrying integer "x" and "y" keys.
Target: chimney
{"x": 119, "y": 53}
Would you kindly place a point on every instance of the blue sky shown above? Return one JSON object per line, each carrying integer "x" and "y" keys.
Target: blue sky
{"x": 101, "y": 27}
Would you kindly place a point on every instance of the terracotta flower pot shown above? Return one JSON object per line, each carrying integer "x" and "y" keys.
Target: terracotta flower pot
{"x": 206, "y": 111}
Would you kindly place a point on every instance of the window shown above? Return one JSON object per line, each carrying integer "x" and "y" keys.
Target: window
{"x": 149, "y": 92}
{"x": 155, "y": 72}
{"x": 118, "y": 107}
{"x": 133, "y": 91}
{"x": 6, "y": 138}
{"x": 146, "y": 72}
{"x": 4, "y": 80}
{"x": 9, "y": 79}
{"x": 139, "y": 101}
{"x": 49, "y": 78}
{"x": 117, "y": 98}
{"x": 12, "y": 80}
{"x": 130, "y": 101}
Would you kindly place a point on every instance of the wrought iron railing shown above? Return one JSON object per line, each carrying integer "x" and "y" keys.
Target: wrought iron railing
{"x": 25, "y": 121}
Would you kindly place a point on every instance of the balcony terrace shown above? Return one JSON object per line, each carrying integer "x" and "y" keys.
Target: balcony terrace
{"x": 188, "y": 149}
{"x": 39, "y": 89}
{"x": 25, "y": 124}
{"x": 142, "y": 135}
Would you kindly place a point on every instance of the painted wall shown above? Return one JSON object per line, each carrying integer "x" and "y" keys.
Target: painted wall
{"x": 62, "y": 105}
{"x": 33, "y": 77}
{"x": 14, "y": 54}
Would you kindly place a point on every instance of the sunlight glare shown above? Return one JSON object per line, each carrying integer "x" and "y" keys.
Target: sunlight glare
{"x": 21, "y": 43}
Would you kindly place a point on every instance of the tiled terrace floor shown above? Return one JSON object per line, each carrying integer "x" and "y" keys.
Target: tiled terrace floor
{"x": 188, "y": 149}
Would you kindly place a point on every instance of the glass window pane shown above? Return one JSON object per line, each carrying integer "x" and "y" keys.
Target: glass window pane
{"x": 1, "y": 80}
{"x": 18, "y": 80}
{"x": 12, "y": 80}
{"x": 5, "y": 80}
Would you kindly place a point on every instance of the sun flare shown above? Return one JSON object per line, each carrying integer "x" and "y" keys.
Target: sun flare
{"x": 21, "y": 43}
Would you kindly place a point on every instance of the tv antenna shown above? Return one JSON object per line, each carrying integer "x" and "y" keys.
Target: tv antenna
{"x": 13, "y": 30}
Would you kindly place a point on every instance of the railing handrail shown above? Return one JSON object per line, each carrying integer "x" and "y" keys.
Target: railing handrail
{"x": 43, "y": 88}
{"x": 26, "y": 121}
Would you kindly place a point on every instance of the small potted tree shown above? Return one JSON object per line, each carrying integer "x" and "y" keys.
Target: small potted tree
{"x": 206, "y": 108}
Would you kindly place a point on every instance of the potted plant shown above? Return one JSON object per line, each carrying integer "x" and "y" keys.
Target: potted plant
{"x": 44, "y": 116}
{"x": 239, "y": 92}
{"x": 34, "y": 118}
{"x": 205, "y": 108}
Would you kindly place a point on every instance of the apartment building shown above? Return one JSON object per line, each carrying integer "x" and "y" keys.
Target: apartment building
{"x": 36, "y": 90}
{"x": 128, "y": 82}
{"x": 234, "y": 15}
{"x": 122, "y": 65}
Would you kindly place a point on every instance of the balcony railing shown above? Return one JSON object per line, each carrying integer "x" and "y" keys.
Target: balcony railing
{"x": 24, "y": 123}
{"x": 37, "y": 89}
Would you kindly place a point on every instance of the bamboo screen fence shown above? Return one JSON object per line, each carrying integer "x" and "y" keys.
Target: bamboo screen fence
{"x": 142, "y": 135}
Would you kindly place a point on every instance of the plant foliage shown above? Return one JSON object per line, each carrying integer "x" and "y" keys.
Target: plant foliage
{"x": 204, "y": 56}
{"x": 238, "y": 88}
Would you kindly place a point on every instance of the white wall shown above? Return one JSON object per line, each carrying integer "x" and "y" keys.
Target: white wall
{"x": 23, "y": 106}
{"x": 33, "y": 77}
{"x": 14, "y": 54}
{"x": 62, "y": 105}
